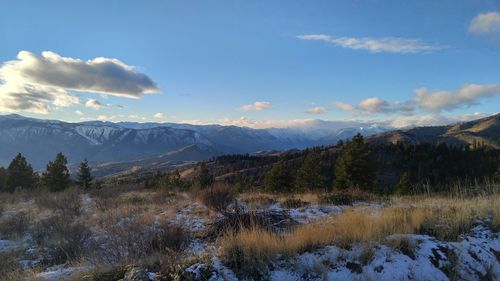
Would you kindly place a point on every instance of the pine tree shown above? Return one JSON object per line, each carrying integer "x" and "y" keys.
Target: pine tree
{"x": 310, "y": 176}
{"x": 20, "y": 174}
{"x": 355, "y": 167}
{"x": 3, "y": 179}
{"x": 84, "y": 175}
{"x": 403, "y": 186}
{"x": 279, "y": 178}
{"x": 205, "y": 179}
{"x": 56, "y": 176}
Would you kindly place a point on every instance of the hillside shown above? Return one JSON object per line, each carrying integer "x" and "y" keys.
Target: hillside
{"x": 485, "y": 131}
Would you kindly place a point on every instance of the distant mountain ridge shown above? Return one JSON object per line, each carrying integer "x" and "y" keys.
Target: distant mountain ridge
{"x": 104, "y": 142}
{"x": 484, "y": 131}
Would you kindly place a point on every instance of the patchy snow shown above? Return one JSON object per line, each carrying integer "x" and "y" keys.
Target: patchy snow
{"x": 313, "y": 212}
{"x": 473, "y": 258}
{"x": 60, "y": 272}
{"x": 221, "y": 272}
{"x": 186, "y": 217}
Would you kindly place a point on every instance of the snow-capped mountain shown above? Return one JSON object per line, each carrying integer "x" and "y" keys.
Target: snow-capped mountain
{"x": 99, "y": 142}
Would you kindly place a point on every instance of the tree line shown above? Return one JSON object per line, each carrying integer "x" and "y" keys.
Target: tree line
{"x": 19, "y": 175}
{"x": 378, "y": 168}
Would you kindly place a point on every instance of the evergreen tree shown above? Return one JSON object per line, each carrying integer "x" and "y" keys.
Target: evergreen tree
{"x": 3, "y": 179}
{"x": 310, "y": 176}
{"x": 403, "y": 186}
{"x": 56, "y": 176}
{"x": 355, "y": 167}
{"x": 279, "y": 178}
{"x": 84, "y": 175}
{"x": 205, "y": 179}
{"x": 20, "y": 174}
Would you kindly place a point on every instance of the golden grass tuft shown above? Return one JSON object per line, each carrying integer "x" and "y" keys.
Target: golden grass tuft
{"x": 250, "y": 250}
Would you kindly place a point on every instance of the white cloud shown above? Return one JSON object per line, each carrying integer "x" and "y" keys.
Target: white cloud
{"x": 38, "y": 84}
{"x": 467, "y": 95}
{"x": 432, "y": 120}
{"x": 376, "y": 45}
{"x": 425, "y": 100}
{"x": 78, "y": 112}
{"x": 92, "y": 103}
{"x": 344, "y": 106}
{"x": 260, "y": 124}
{"x": 159, "y": 115}
{"x": 256, "y": 106}
{"x": 485, "y": 23}
{"x": 375, "y": 105}
{"x": 316, "y": 110}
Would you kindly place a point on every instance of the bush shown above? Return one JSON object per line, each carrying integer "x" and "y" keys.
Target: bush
{"x": 14, "y": 226}
{"x": 10, "y": 268}
{"x": 293, "y": 203}
{"x": 67, "y": 202}
{"x": 106, "y": 198}
{"x": 338, "y": 198}
{"x": 130, "y": 235}
{"x": 218, "y": 197}
{"x": 64, "y": 236}
{"x": 136, "y": 200}
{"x": 101, "y": 274}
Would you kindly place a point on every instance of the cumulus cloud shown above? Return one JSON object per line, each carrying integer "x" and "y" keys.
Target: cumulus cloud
{"x": 316, "y": 110}
{"x": 485, "y": 23}
{"x": 466, "y": 95}
{"x": 375, "y": 45}
{"x": 159, "y": 115}
{"x": 256, "y": 106}
{"x": 376, "y": 105}
{"x": 425, "y": 100}
{"x": 36, "y": 84}
{"x": 92, "y": 103}
{"x": 78, "y": 112}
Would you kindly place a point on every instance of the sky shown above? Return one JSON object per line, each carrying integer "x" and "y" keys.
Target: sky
{"x": 251, "y": 63}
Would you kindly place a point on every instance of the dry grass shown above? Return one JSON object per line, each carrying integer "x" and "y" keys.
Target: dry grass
{"x": 251, "y": 249}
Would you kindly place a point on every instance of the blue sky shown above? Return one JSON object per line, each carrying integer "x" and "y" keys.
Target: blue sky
{"x": 252, "y": 63}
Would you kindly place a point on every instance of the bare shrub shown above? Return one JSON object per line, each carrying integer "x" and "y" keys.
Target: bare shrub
{"x": 65, "y": 237}
{"x": 67, "y": 202}
{"x": 130, "y": 235}
{"x": 293, "y": 203}
{"x": 218, "y": 197}
{"x": 14, "y": 226}
{"x": 106, "y": 198}
{"x": 101, "y": 273}
{"x": 10, "y": 269}
{"x": 232, "y": 222}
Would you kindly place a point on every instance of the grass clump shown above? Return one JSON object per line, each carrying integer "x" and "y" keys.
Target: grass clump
{"x": 251, "y": 250}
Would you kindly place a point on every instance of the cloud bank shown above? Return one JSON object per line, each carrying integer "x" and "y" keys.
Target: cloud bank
{"x": 36, "y": 84}
{"x": 375, "y": 45}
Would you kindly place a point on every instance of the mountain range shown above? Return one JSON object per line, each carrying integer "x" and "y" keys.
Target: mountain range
{"x": 123, "y": 147}
{"x": 129, "y": 144}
